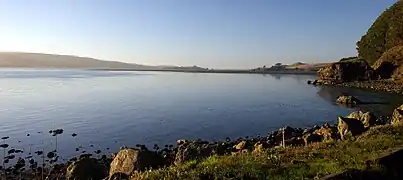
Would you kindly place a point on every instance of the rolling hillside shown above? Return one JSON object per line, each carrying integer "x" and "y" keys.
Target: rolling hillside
{"x": 36, "y": 60}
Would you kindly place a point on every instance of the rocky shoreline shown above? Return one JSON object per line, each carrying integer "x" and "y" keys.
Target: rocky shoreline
{"x": 130, "y": 160}
{"x": 387, "y": 85}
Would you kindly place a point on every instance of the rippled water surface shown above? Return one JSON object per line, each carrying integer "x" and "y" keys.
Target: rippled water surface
{"x": 112, "y": 109}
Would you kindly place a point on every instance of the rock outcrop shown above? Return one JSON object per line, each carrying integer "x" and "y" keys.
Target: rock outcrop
{"x": 192, "y": 151}
{"x": 368, "y": 119}
{"x": 348, "y": 127}
{"x": 86, "y": 168}
{"x": 326, "y": 132}
{"x": 346, "y": 71}
{"x": 390, "y": 64}
{"x": 347, "y": 100}
{"x": 130, "y": 160}
{"x": 397, "y": 116}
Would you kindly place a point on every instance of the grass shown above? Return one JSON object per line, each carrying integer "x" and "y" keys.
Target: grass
{"x": 316, "y": 160}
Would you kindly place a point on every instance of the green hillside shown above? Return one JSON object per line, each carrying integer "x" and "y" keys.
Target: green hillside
{"x": 385, "y": 33}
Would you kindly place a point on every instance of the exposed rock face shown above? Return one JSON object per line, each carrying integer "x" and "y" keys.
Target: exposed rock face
{"x": 347, "y": 100}
{"x": 129, "y": 160}
{"x": 326, "y": 132}
{"x": 390, "y": 64}
{"x": 85, "y": 168}
{"x": 349, "y": 127}
{"x": 367, "y": 118}
{"x": 346, "y": 71}
{"x": 193, "y": 150}
{"x": 397, "y": 116}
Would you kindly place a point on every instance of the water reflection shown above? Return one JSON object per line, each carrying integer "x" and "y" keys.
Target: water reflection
{"x": 379, "y": 103}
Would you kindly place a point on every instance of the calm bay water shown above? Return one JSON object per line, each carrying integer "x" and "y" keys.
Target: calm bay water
{"x": 112, "y": 109}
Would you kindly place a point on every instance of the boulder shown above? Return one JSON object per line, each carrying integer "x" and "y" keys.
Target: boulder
{"x": 289, "y": 133}
{"x": 241, "y": 145}
{"x": 192, "y": 151}
{"x": 349, "y": 127}
{"x": 130, "y": 160}
{"x": 367, "y": 118}
{"x": 347, "y": 71}
{"x": 397, "y": 116}
{"x": 309, "y": 82}
{"x": 326, "y": 132}
{"x": 86, "y": 168}
{"x": 347, "y": 100}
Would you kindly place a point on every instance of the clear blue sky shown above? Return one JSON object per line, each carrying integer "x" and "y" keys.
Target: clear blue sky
{"x": 209, "y": 33}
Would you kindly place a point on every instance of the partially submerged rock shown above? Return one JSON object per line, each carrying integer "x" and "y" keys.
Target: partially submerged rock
{"x": 347, "y": 100}
{"x": 367, "y": 118}
{"x": 86, "y": 168}
{"x": 349, "y": 127}
{"x": 130, "y": 160}
{"x": 397, "y": 116}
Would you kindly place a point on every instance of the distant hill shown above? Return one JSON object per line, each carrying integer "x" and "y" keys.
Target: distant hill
{"x": 37, "y": 60}
{"x": 305, "y": 66}
{"x": 385, "y": 33}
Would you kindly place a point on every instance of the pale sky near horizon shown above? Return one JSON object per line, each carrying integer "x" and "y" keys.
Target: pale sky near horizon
{"x": 208, "y": 33}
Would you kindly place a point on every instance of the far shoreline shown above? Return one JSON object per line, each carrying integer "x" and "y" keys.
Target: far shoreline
{"x": 223, "y": 71}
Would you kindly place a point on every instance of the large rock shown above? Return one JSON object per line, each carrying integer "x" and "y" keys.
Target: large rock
{"x": 347, "y": 100}
{"x": 326, "y": 132}
{"x": 397, "y": 116}
{"x": 346, "y": 71}
{"x": 349, "y": 127}
{"x": 390, "y": 64}
{"x": 192, "y": 151}
{"x": 86, "y": 168}
{"x": 130, "y": 160}
{"x": 367, "y": 118}
{"x": 289, "y": 133}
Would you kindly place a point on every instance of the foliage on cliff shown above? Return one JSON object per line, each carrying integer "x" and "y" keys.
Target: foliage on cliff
{"x": 390, "y": 64}
{"x": 386, "y": 32}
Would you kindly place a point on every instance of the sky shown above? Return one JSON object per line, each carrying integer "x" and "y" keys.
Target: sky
{"x": 208, "y": 33}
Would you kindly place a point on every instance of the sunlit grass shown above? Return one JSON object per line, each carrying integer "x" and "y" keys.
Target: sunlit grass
{"x": 316, "y": 160}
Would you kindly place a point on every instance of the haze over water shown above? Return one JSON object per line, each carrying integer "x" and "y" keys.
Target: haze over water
{"x": 112, "y": 109}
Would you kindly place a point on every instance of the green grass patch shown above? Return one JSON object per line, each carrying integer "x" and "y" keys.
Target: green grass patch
{"x": 316, "y": 160}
